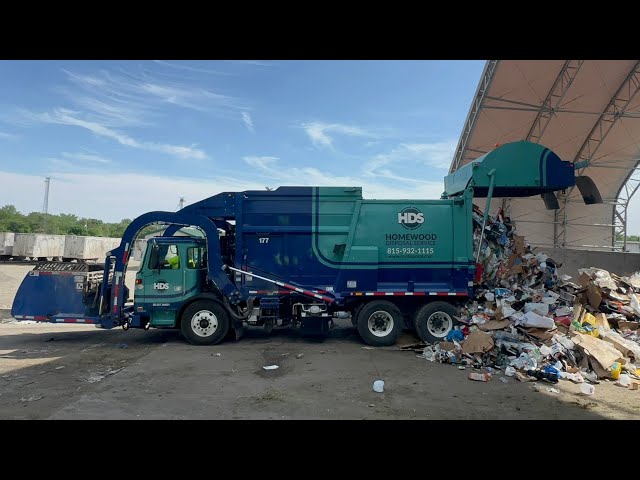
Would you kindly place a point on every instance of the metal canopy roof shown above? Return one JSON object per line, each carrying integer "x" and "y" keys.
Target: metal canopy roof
{"x": 580, "y": 109}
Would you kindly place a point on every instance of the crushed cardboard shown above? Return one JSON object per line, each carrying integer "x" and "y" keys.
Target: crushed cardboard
{"x": 604, "y": 352}
{"x": 494, "y": 325}
{"x": 477, "y": 342}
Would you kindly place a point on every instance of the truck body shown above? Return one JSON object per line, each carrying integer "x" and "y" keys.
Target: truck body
{"x": 300, "y": 256}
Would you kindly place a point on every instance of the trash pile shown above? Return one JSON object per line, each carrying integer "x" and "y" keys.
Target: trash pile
{"x": 532, "y": 323}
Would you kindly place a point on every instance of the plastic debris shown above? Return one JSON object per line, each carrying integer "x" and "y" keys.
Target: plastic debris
{"x": 624, "y": 380}
{"x": 300, "y": 355}
{"x": 32, "y": 398}
{"x": 587, "y": 389}
{"x": 428, "y": 354}
{"x": 270, "y": 367}
{"x": 378, "y": 386}
{"x": 479, "y": 377}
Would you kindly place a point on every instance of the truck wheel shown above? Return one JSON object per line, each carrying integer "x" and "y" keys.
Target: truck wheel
{"x": 204, "y": 323}
{"x": 379, "y": 323}
{"x": 435, "y": 320}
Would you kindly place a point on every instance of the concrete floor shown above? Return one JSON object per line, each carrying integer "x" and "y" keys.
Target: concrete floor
{"x": 80, "y": 372}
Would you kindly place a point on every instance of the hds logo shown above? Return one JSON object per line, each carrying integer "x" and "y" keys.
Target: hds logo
{"x": 161, "y": 285}
{"x": 410, "y": 218}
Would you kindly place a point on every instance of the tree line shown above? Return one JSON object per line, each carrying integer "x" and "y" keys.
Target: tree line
{"x": 11, "y": 220}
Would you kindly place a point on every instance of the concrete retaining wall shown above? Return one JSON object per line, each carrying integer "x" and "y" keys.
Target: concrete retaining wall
{"x": 614, "y": 262}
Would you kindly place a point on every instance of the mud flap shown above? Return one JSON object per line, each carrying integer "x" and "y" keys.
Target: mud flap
{"x": 588, "y": 190}
{"x": 238, "y": 331}
{"x": 315, "y": 326}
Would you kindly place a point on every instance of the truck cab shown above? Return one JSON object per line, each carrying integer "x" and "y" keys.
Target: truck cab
{"x": 173, "y": 270}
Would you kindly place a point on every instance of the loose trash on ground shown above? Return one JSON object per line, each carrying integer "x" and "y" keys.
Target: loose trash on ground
{"x": 587, "y": 389}
{"x": 300, "y": 355}
{"x": 624, "y": 380}
{"x": 378, "y": 386}
{"x": 480, "y": 377}
{"x": 270, "y": 367}
{"x": 537, "y": 325}
{"x": 32, "y": 398}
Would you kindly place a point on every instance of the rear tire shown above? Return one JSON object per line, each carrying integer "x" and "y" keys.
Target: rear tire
{"x": 204, "y": 323}
{"x": 435, "y": 320}
{"x": 379, "y": 323}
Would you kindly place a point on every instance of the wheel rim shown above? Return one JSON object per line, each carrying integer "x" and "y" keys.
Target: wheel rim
{"x": 439, "y": 324}
{"x": 204, "y": 323}
{"x": 380, "y": 323}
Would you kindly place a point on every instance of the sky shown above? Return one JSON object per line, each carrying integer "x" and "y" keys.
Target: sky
{"x": 121, "y": 138}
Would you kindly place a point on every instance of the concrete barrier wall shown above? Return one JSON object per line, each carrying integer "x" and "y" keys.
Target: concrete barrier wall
{"x": 614, "y": 262}
{"x": 38, "y": 245}
{"x": 86, "y": 248}
{"x": 6, "y": 243}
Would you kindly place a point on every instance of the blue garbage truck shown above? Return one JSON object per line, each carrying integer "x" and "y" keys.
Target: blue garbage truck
{"x": 301, "y": 256}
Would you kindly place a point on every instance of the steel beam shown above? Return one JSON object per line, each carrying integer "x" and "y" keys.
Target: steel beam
{"x": 625, "y": 194}
{"x": 548, "y": 108}
{"x": 474, "y": 110}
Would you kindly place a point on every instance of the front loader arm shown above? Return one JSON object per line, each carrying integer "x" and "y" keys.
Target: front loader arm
{"x": 121, "y": 254}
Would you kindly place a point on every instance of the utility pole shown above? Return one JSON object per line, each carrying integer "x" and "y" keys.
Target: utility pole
{"x": 45, "y": 204}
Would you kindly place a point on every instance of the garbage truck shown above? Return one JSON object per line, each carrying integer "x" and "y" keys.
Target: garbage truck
{"x": 301, "y": 256}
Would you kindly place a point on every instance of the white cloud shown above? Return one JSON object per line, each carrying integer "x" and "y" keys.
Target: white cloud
{"x": 132, "y": 194}
{"x": 319, "y": 132}
{"x": 63, "y": 116}
{"x": 438, "y": 155}
{"x": 135, "y": 97}
{"x": 278, "y": 175}
{"x": 262, "y": 163}
{"x": 258, "y": 63}
{"x": 248, "y": 121}
{"x": 86, "y": 157}
{"x": 128, "y": 196}
{"x": 411, "y": 158}
{"x": 190, "y": 68}
{"x": 8, "y": 136}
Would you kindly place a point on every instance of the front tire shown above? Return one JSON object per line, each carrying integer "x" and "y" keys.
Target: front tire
{"x": 204, "y": 323}
{"x": 435, "y": 320}
{"x": 379, "y": 323}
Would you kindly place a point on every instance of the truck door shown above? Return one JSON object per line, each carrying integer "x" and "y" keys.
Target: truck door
{"x": 194, "y": 271}
{"x": 161, "y": 277}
